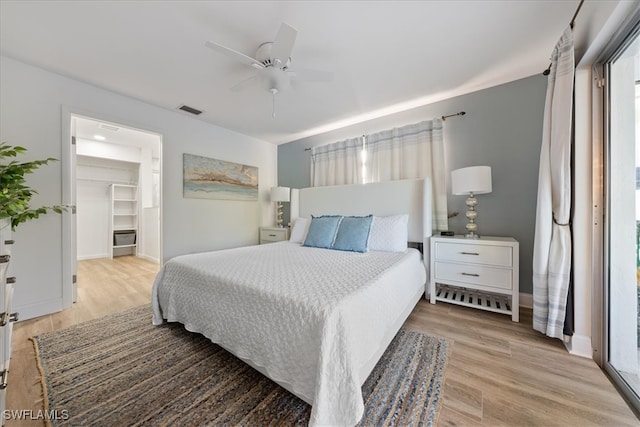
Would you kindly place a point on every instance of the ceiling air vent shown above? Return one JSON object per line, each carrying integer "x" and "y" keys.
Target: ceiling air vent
{"x": 190, "y": 109}
{"x": 109, "y": 127}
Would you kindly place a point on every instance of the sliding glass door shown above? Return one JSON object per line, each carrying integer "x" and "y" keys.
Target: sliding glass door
{"x": 622, "y": 241}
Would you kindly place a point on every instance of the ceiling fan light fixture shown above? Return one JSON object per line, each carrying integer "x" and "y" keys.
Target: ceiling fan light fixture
{"x": 273, "y": 78}
{"x": 272, "y": 60}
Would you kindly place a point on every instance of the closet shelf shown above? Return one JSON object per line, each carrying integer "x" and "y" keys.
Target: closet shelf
{"x": 105, "y": 180}
{"x": 123, "y": 230}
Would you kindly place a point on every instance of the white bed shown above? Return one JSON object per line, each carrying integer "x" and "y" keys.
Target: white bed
{"x": 314, "y": 320}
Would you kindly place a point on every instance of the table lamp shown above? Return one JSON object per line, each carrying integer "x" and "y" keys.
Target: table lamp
{"x": 279, "y": 195}
{"x": 472, "y": 180}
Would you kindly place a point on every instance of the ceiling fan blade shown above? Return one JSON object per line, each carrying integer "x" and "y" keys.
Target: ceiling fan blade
{"x": 241, "y": 57}
{"x": 304, "y": 75}
{"x": 243, "y": 84}
{"x": 285, "y": 39}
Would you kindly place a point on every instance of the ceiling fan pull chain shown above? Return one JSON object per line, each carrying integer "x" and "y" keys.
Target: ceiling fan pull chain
{"x": 273, "y": 93}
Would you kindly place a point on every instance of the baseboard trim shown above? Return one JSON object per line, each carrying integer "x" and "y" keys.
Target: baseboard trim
{"x": 579, "y": 345}
{"x": 97, "y": 256}
{"x": 526, "y": 300}
{"x": 149, "y": 258}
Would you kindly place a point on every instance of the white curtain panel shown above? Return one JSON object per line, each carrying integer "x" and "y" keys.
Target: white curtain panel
{"x": 338, "y": 163}
{"x": 411, "y": 152}
{"x": 552, "y": 244}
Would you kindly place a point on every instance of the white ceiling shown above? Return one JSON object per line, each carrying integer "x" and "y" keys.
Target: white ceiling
{"x": 385, "y": 56}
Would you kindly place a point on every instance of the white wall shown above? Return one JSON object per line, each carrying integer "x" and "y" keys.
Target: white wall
{"x": 32, "y": 102}
{"x": 149, "y": 245}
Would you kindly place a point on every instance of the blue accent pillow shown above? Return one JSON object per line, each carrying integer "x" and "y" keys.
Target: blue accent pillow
{"x": 353, "y": 233}
{"x": 322, "y": 231}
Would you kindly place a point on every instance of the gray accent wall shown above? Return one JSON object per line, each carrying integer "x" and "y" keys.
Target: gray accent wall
{"x": 502, "y": 128}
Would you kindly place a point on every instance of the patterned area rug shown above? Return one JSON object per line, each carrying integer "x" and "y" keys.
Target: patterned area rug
{"x": 121, "y": 370}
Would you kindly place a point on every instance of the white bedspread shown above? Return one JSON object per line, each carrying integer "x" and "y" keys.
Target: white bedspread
{"x": 309, "y": 318}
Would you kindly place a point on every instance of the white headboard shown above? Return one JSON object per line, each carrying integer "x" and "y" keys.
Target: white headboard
{"x": 410, "y": 196}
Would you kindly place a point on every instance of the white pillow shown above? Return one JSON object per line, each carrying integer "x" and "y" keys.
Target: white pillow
{"x": 389, "y": 233}
{"x": 299, "y": 230}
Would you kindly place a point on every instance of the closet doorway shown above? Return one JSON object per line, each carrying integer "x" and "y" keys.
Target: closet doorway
{"x": 116, "y": 179}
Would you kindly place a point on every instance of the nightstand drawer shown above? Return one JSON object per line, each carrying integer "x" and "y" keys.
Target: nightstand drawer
{"x": 499, "y": 278}
{"x": 501, "y": 256}
{"x": 269, "y": 235}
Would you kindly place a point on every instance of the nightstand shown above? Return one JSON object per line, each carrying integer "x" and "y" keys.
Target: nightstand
{"x": 480, "y": 273}
{"x": 273, "y": 234}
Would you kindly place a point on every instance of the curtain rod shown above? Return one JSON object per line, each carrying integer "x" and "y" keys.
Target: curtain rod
{"x": 461, "y": 113}
{"x": 311, "y": 148}
{"x": 572, "y": 23}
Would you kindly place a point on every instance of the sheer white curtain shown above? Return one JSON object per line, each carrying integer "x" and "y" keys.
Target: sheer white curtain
{"x": 337, "y": 163}
{"x": 411, "y": 152}
{"x": 552, "y": 244}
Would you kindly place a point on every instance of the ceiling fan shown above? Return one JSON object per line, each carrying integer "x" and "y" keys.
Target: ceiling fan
{"x": 272, "y": 61}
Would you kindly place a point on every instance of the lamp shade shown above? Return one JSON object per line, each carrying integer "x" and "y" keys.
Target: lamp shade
{"x": 280, "y": 194}
{"x": 474, "y": 179}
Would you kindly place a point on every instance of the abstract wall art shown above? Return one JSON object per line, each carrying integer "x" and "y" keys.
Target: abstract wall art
{"x": 206, "y": 178}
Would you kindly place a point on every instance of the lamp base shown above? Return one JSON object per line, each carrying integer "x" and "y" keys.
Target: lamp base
{"x": 471, "y": 215}
{"x": 279, "y": 214}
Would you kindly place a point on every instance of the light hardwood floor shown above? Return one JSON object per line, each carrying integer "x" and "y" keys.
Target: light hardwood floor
{"x": 499, "y": 373}
{"x": 104, "y": 286}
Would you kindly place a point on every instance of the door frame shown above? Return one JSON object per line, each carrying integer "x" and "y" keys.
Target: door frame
{"x": 69, "y": 197}
{"x": 627, "y": 32}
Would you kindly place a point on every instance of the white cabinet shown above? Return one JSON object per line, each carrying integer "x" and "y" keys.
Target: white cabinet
{"x": 273, "y": 234}
{"x": 480, "y": 273}
{"x": 123, "y": 230}
{"x": 6, "y": 317}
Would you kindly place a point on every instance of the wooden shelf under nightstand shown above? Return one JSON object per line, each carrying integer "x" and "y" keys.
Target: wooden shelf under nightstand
{"x": 273, "y": 234}
{"x": 480, "y": 273}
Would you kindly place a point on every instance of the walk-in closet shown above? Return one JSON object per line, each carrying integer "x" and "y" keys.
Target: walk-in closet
{"x": 117, "y": 191}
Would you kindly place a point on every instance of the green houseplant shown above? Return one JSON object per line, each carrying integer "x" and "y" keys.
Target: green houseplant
{"x": 15, "y": 194}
